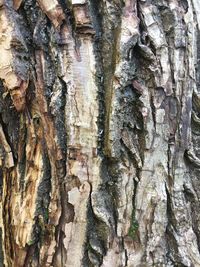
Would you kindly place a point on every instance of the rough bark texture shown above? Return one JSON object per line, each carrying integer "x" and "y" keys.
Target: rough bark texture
{"x": 100, "y": 133}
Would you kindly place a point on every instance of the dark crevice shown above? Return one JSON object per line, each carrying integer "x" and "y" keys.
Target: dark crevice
{"x": 153, "y": 111}
{"x": 95, "y": 246}
{"x": 22, "y": 158}
{"x": 189, "y": 196}
{"x": 9, "y": 118}
{"x": 6, "y": 215}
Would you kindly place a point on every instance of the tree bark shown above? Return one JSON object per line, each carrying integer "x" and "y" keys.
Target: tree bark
{"x": 99, "y": 133}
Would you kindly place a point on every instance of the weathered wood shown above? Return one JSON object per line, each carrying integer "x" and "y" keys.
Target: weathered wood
{"x": 99, "y": 133}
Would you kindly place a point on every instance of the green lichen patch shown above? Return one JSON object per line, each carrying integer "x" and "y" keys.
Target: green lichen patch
{"x": 134, "y": 226}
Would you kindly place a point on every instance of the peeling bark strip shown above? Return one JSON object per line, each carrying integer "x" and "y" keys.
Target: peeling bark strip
{"x": 10, "y": 39}
{"x": 99, "y": 133}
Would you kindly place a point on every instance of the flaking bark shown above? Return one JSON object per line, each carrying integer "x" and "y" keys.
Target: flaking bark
{"x": 99, "y": 133}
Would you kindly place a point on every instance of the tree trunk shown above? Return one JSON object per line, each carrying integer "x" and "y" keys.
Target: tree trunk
{"x": 100, "y": 133}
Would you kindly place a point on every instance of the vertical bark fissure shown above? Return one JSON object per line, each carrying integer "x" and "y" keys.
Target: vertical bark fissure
{"x": 100, "y": 108}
